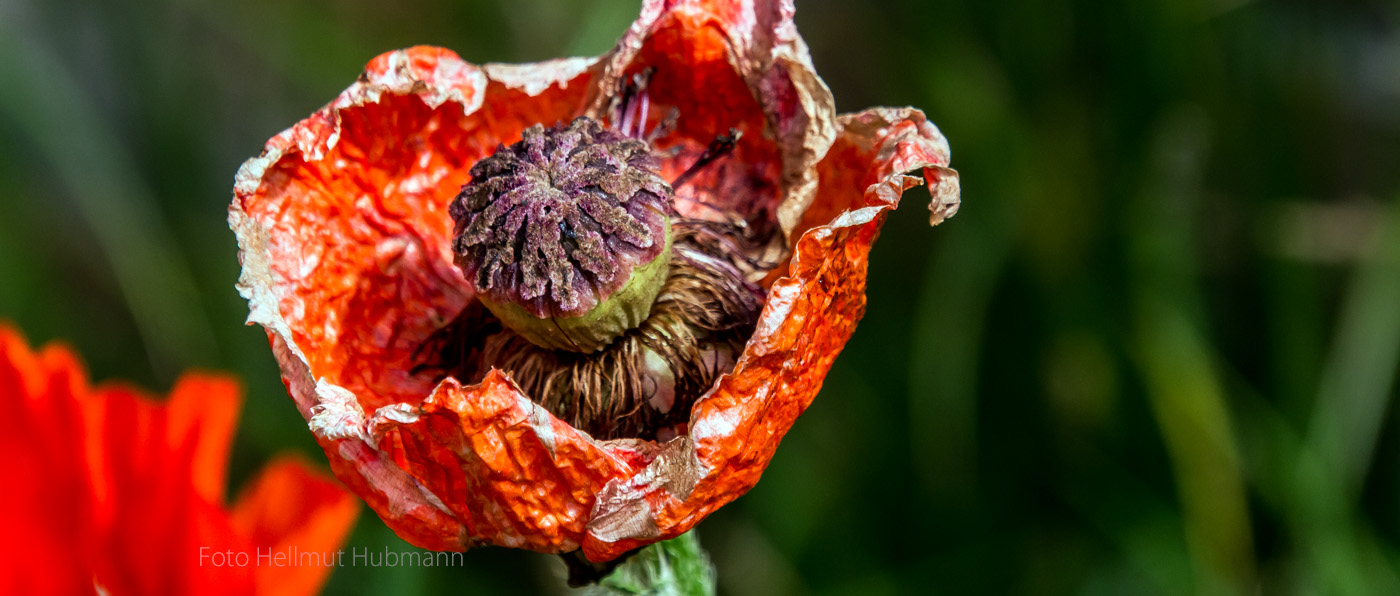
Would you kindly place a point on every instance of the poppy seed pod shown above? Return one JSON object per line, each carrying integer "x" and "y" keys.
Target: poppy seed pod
{"x": 562, "y": 234}
{"x": 394, "y": 243}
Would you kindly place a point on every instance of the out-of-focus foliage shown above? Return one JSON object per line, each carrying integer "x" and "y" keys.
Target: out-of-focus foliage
{"x": 1153, "y": 354}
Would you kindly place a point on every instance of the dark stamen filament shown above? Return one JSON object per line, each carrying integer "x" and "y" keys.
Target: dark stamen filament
{"x": 666, "y": 126}
{"x": 630, "y": 117}
{"x": 722, "y": 145}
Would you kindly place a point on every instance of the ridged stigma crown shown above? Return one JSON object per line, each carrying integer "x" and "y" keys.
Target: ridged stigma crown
{"x": 563, "y": 234}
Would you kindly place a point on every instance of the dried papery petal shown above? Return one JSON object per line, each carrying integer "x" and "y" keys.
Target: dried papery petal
{"x": 344, "y": 238}
{"x": 810, "y": 314}
{"x": 725, "y": 64}
{"x": 345, "y": 246}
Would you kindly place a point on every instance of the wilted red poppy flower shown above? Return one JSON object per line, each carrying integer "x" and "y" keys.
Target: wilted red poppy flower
{"x": 108, "y": 491}
{"x": 373, "y": 233}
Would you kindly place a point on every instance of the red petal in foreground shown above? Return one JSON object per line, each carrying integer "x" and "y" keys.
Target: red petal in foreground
{"x": 109, "y": 489}
{"x": 345, "y": 242}
{"x": 293, "y": 510}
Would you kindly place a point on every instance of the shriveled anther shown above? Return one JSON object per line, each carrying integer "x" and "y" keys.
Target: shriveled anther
{"x": 565, "y": 234}
{"x": 721, "y": 146}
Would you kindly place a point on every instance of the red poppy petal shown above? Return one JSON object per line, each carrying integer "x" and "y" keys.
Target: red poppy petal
{"x": 415, "y": 515}
{"x": 144, "y": 502}
{"x": 43, "y": 507}
{"x": 343, "y": 237}
{"x": 345, "y": 240}
{"x": 298, "y": 520}
{"x": 530, "y": 480}
{"x": 514, "y": 474}
{"x": 517, "y": 476}
{"x": 156, "y": 469}
{"x": 732, "y": 64}
{"x": 203, "y": 412}
{"x": 114, "y": 491}
{"x": 809, "y": 315}
{"x": 855, "y": 165}
{"x": 343, "y": 225}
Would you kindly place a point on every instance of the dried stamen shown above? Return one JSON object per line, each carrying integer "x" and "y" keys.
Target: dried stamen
{"x": 646, "y": 380}
{"x": 631, "y": 107}
{"x": 720, "y": 147}
{"x": 666, "y": 126}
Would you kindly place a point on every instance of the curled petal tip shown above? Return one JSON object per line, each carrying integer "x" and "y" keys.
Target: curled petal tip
{"x": 947, "y": 194}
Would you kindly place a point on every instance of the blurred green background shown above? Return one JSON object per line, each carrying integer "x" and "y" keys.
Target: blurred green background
{"x": 1153, "y": 354}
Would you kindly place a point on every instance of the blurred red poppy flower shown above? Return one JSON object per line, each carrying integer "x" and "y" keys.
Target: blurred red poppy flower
{"x": 109, "y": 491}
{"x": 348, "y": 257}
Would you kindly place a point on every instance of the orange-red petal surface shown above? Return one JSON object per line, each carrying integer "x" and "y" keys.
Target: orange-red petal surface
{"x": 288, "y": 509}
{"x": 110, "y": 489}
{"x": 344, "y": 238}
{"x": 809, "y": 316}
{"x": 44, "y": 524}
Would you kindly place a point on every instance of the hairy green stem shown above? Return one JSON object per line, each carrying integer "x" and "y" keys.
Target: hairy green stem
{"x": 677, "y": 567}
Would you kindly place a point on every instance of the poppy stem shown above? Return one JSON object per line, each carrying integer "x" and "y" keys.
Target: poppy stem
{"x": 677, "y": 566}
